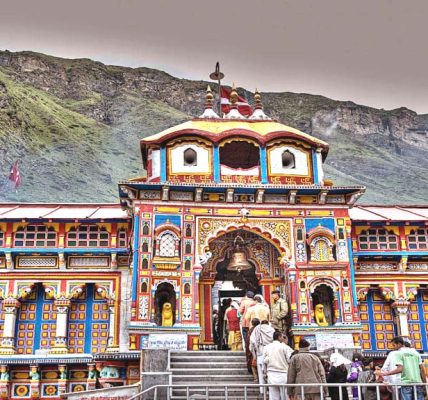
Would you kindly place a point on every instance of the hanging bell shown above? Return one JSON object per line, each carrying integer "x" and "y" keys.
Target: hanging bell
{"x": 238, "y": 262}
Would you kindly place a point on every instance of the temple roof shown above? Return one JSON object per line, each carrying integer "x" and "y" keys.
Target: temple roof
{"x": 218, "y": 129}
{"x": 389, "y": 213}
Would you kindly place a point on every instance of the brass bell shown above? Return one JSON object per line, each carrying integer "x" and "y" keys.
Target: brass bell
{"x": 238, "y": 262}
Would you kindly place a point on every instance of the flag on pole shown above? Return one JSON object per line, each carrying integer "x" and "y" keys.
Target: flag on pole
{"x": 15, "y": 176}
{"x": 243, "y": 107}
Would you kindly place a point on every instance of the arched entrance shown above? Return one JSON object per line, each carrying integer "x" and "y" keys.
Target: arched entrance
{"x": 218, "y": 282}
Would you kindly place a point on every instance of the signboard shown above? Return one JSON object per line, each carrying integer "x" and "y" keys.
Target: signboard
{"x": 173, "y": 341}
{"x": 333, "y": 340}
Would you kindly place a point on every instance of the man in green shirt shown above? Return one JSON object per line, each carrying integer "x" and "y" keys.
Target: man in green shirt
{"x": 409, "y": 363}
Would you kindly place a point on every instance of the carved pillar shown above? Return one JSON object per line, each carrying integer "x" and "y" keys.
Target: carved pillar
{"x": 401, "y": 308}
{"x": 92, "y": 377}
{"x": 4, "y": 382}
{"x": 7, "y": 344}
{"x": 63, "y": 378}
{"x": 9, "y": 260}
{"x": 62, "y": 307}
{"x": 112, "y": 346}
{"x": 35, "y": 382}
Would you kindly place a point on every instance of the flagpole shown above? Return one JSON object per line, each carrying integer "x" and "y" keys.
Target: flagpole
{"x": 217, "y": 75}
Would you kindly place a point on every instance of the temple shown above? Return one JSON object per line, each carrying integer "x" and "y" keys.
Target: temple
{"x": 85, "y": 287}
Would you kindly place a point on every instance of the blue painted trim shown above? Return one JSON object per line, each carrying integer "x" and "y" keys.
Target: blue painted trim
{"x": 370, "y": 314}
{"x": 385, "y": 253}
{"x": 163, "y": 163}
{"x": 216, "y": 164}
{"x": 422, "y": 321}
{"x": 315, "y": 168}
{"x": 38, "y": 322}
{"x": 263, "y": 165}
{"x": 89, "y": 316}
{"x": 135, "y": 257}
{"x": 352, "y": 271}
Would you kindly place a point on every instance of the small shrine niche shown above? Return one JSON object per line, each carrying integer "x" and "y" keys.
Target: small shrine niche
{"x": 323, "y": 305}
{"x": 165, "y": 304}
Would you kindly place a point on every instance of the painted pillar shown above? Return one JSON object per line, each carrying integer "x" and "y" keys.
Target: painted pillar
{"x": 92, "y": 377}
{"x": 135, "y": 269}
{"x": 352, "y": 261}
{"x": 112, "y": 339}
{"x": 62, "y": 307}
{"x": 7, "y": 344}
{"x": 401, "y": 308}
{"x": 63, "y": 378}
{"x": 263, "y": 165}
{"x": 163, "y": 164}
{"x": 216, "y": 164}
{"x": 35, "y": 382}
{"x": 4, "y": 382}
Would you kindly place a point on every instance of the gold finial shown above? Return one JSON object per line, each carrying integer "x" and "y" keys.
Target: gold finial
{"x": 233, "y": 95}
{"x": 209, "y": 97}
{"x": 257, "y": 99}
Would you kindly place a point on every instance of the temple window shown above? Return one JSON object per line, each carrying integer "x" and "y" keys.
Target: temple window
{"x": 146, "y": 229}
{"x": 188, "y": 230}
{"x": 378, "y": 239}
{"x": 187, "y": 265}
{"x": 144, "y": 287}
{"x": 1, "y": 238}
{"x": 35, "y": 236}
{"x": 186, "y": 288}
{"x": 167, "y": 245}
{"x": 288, "y": 160}
{"x": 145, "y": 247}
{"x": 299, "y": 234}
{"x": 418, "y": 239}
{"x": 240, "y": 154}
{"x": 320, "y": 251}
{"x": 145, "y": 263}
{"x": 188, "y": 248}
{"x": 190, "y": 157}
{"x": 88, "y": 236}
{"x": 122, "y": 237}
{"x": 341, "y": 234}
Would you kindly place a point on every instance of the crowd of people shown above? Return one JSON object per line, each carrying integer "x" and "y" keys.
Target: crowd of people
{"x": 253, "y": 326}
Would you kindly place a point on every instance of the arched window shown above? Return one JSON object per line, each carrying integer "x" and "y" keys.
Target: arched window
{"x": 188, "y": 230}
{"x": 145, "y": 247}
{"x": 167, "y": 245}
{"x": 145, "y": 263}
{"x": 186, "y": 288}
{"x": 35, "y": 236}
{"x": 190, "y": 157}
{"x": 288, "y": 160}
{"x": 188, "y": 248}
{"x": 378, "y": 239}
{"x": 418, "y": 239}
{"x": 187, "y": 265}
{"x": 320, "y": 250}
{"x": 144, "y": 287}
{"x": 146, "y": 229}
{"x": 88, "y": 236}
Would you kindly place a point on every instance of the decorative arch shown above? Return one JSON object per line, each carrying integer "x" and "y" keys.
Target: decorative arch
{"x": 331, "y": 282}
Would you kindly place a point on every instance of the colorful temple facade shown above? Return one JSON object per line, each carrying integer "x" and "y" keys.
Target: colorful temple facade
{"x": 84, "y": 287}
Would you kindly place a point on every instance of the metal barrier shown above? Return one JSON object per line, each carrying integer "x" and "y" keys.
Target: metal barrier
{"x": 228, "y": 392}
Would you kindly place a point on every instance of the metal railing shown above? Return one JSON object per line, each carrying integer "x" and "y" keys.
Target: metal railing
{"x": 251, "y": 391}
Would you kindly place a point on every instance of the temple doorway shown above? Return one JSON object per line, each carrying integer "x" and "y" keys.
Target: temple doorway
{"x": 221, "y": 279}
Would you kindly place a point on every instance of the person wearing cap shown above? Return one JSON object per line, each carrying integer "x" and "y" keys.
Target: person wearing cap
{"x": 246, "y": 302}
{"x": 409, "y": 364}
{"x": 260, "y": 310}
{"x": 234, "y": 339}
{"x": 279, "y": 311}
{"x": 305, "y": 367}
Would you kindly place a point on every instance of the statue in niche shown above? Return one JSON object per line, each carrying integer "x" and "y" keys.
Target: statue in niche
{"x": 322, "y": 298}
{"x": 319, "y": 315}
{"x": 167, "y": 317}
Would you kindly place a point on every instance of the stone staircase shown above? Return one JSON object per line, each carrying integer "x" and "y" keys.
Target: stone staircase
{"x": 211, "y": 368}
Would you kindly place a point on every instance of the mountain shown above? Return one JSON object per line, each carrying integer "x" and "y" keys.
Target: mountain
{"x": 75, "y": 125}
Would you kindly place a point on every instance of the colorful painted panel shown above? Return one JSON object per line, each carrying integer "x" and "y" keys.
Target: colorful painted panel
{"x": 1, "y": 319}
{"x": 377, "y": 323}
{"x": 418, "y": 321}
{"x": 35, "y": 311}
{"x": 88, "y": 323}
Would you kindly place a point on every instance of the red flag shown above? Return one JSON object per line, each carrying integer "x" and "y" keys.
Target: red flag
{"x": 243, "y": 107}
{"x": 15, "y": 176}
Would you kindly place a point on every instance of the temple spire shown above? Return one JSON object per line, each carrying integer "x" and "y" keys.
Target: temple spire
{"x": 234, "y": 112}
{"x": 258, "y": 107}
{"x": 209, "y": 112}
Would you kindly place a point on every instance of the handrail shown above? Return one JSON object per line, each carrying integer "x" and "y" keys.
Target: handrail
{"x": 226, "y": 389}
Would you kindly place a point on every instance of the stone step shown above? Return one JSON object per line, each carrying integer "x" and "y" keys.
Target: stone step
{"x": 209, "y": 371}
{"x": 216, "y": 393}
{"x": 192, "y": 359}
{"x": 208, "y": 364}
{"x": 208, "y": 353}
{"x": 201, "y": 379}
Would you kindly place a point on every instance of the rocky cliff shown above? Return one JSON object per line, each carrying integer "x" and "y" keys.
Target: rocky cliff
{"x": 75, "y": 126}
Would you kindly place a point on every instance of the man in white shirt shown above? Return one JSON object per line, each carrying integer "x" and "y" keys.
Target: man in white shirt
{"x": 393, "y": 380}
{"x": 276, "y": 356}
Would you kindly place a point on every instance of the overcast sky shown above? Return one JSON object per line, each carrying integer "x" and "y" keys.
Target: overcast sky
{"x": 373, "y": 52}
